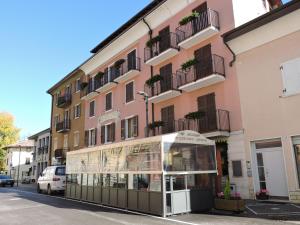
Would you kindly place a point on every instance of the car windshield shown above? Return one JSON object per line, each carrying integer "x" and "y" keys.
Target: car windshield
{"x": 4, "y": 177}
{"x": 60, "y": 171}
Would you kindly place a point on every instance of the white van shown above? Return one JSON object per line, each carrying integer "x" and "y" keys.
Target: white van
{"x": 53, "y": 178}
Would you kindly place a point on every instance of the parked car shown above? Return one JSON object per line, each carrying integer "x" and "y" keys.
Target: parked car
{"x": 6, "y": 180}
{"x": 52, "y": 179}
{"x": 26, "y": 180}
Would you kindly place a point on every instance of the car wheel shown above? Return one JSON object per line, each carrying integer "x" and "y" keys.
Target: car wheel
{"x": 38, "y": 189}
{"x": 49, "y": 192}
{"x": 11, "y": 185}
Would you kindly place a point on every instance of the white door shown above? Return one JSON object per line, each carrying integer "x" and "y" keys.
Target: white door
{"x": 272, "y": 166}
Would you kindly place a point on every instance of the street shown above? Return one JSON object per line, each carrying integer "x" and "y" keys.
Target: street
{"x": 22, "y": 206}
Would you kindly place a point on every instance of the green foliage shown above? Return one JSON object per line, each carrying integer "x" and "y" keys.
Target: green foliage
{"x": 188, "y": 18}
{"x": 156, "y": 124}
{"x": 8, "y": 135}
{"x": 153, "y": 80}
{"x": 152, "y": 41}
{"x": 227, "y": 191}
{"x": 188, "y": 64}
{"x": 119, "y": 63}
{"x": 99, "y": 75}
{"x": 83, "y": 85}
{"x": 194, "y": 115}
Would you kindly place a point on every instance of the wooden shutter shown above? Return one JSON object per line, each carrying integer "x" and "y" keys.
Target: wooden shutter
{"x": 95, "y": 141}
{"x": 204, "y": 67}
{"x": 131, "y": 60}
{"x": 166, "y": 82}
{"x": 113, "y": 129}
{"x": 207, "y": 105}
{"x": 135, "y": 126}
{"x": 165, "y": 40}
{"x": 167, "y": 116}
{"x": 123, "y": 129}
{"x": 86, "y": 138}
{"x": 102, "y": 134}
{"x": 129, "y": 92}
{"x": 108, "y": 101}
{"x": 79, "y": 109}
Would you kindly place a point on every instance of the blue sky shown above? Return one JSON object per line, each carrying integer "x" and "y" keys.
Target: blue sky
{"x": 42, "y": 41}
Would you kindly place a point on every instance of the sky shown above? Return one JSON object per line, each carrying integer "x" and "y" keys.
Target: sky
{"x": 42, "y": 41}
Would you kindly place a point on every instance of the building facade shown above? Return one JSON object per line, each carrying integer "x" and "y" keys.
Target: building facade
{"x": 268, "y": 71}
{"x": 19, "y": 160}
{"x": 41, "y": 151}
{"x": 67, "y": 117}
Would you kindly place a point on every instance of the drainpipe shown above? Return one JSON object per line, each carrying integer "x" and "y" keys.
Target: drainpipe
{"x": 233, "y": 54}
{"x": 50, "y": 138}
{"x": 151, "y": 67}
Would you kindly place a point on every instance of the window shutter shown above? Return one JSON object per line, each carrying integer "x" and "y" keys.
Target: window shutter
{"x": 122, "y": 129}
{"x": 135, "y": 126}
{"x": 79, "y": 110}
{"x": 291, "y": 77}
{"x": 74, "y": 112}
{"x": 113, "y": 128}
{"x": 86, "y": 138}
{"x": 102, "y": 134}
{"x": 95, "y": 141}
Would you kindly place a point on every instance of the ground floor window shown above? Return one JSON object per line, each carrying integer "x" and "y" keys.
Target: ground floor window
{"x": 296, "y": 145}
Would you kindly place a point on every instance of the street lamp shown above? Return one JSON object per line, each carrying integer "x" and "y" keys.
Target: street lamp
{"x": 146, "y": 96}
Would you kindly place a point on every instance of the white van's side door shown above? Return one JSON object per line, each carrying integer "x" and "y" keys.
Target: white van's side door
{"x": 42, "y": 179}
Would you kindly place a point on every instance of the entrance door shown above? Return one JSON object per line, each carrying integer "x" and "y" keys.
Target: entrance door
{"x": 204, "y": 66}
{"x": 165, "y": 39}
{"x": 271, "y": 171}
{"x": 207, "y": 105}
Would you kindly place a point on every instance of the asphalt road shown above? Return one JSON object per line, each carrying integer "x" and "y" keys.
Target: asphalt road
{"x": 29, "y": 208}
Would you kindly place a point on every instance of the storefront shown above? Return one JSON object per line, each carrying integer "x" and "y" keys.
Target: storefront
{"x": 161, "y": 175}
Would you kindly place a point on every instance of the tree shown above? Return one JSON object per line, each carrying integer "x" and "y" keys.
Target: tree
{"x": 8, "y": 135}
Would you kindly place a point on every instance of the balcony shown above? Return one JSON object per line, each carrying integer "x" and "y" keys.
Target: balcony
{"x": 88, "y": 92}
{"x": 64, "y": 101}
{"x": 60, "y": 153}
{"x": 127, "y": 70}
{"x": 164, "y": 48}
{"x": 163, "y": 89}
{"x": 212, "y": 124}
{"x": 199, "y": 29}
{"x": 106, "y": 81}
{"x": 63, "y": 127}
{"x": 202, "y": 74}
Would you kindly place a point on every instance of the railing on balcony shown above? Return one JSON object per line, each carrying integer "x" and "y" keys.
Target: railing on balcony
{"x": 60, "y": 153}
{"x": 204, "y": 20}
{"x": 65, "y": 100}
{"x": 164, "y": 43}
{"x": 202, "y": 69}
{"x": 63, "y": 126}
{"x": 107, "y": 77}
{"x": 126, "y": 67}
{"x": 166, "y": 84}
{"x": 216, "y": 120}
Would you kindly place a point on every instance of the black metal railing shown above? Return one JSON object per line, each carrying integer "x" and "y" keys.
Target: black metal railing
{"x": 205, "y": 19}
{"x": 215, "y": 120}
{"x": 63, "y": 126}
{"x": 64, "y": 101}
{"x": 164, "y": 43}
{"x": 60, "y": 153}
{"x": 166, "y": 84}
{"x": 107, "y": 77}
{"x": 203, "y": 68}
{"x": 125, "y": 67}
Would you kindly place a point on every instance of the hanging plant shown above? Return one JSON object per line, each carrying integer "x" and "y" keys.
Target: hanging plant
{"x": 153, "y": 80}
{"x": 156, "y": 124}
{"x": 119, "y": 63}
{"x": 188, "y": 18}
{"x": 83, "y": 85}
{"x": 99, "y": 75}
{"x": 188, "y": 64}
{"x": 194, "y": 115}
{"x": 152, "y": 41}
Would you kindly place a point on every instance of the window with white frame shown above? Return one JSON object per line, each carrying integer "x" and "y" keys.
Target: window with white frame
{"x": 77, "y": 111}
{"x": 92, "y": 135}
{"x": 108, "y": 133}
{"x": 129, "y": 127}
{"x": 76, "y": 138}
{"x": 291, "y": 77}
{"x": 129, "y": 92}
{"x": 77, "y": 85}
{"x": 92, "y": 108}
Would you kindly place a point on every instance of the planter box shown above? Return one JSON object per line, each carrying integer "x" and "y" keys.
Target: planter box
{"x": 230, "y": 205}
{"x": 262, "y": 197}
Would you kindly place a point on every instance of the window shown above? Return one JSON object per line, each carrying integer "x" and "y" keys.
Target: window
{"x": 56, "y": 120}
{"x": 60, "y": 171}
{"x": 108, "y": 101}
{"x": 56, "y": 97}
{"x": 129, "y": 92}
{"x": 43, "y": 143}
{"x": 129, "y": 128}
{"x": 77, "y": 111}
{"x": 92, "y": 108}
{"x": 237, "y": 168}
{"x": 296, "y": 144}
{"x": 47, "y": 141}
{"x": 76, "y": 138}
{"x": 108, "y": 133}
{"x": 40, "y": 143}
{"x": 92, "y": 137}
{"x": 27, "y": 161}
{"x": 291, "y": 77}
{"x": 65, "y": 141}
{"x": 77, "y": 85}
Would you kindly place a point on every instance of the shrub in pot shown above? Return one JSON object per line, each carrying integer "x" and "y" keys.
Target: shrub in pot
{"x": 152, "y": 41}
{"x": 153, "y": 80}
{"x": 188, "y": 64}
{"x": 188, "y": 18}
{"x": 263, "y": 194}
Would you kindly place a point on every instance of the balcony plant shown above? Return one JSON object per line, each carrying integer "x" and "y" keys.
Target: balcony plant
{"x": 226, "y": 201}
{"x": 188, "y": 64}
{"x": 119, "y": 63}
{"x": 263, "y": 194}
{"x": 83, "y": 85}
{"x": 99, "y": 75}
{"x": 152, "y": 41}
{"x": 150, "y": 82}
{"x": 188, "y": 18}
{"x": 156, "y": 124}
{"x": 194, "y": 115}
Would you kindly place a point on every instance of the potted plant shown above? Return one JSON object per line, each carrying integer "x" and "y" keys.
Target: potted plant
{"x": 188, "y": 64}
{"x": 263, "y": 194}
{"x": 99, "y": 75}
{"x": 188, "y": 18}
{"x": 226, "y": 201}
{"x": 150, "y": 82}
{"x": 83, "y": 85}
{"x": 152, "y": 41}
{"x": 194, "y": 115}
{"x": 155, "y": 124}
{"x": 119, "y": 63}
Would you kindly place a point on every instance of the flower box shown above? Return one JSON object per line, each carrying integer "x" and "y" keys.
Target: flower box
{"x": 235, "y": 205}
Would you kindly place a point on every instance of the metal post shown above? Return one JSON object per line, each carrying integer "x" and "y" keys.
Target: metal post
{"x": 147, "y": 117}
{"x": 19, "y": 165}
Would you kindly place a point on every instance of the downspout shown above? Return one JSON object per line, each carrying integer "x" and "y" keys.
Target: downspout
{"x": 50, "y": 147}
{"x": 151, "y": 67}
{"x": 233, "y": 54}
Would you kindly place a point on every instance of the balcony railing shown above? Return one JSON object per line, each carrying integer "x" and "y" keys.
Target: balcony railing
{"x": 214, "y": 121}
{"x": 64, "y": 101}
{"x": 125, "y": 68}
{"x": 206, "y": 19}
{"x": 167, "y": 41}
{"x": 202, "y": 69}
{"x": 60, "y": 153}
{"x": 63, "y": 126}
